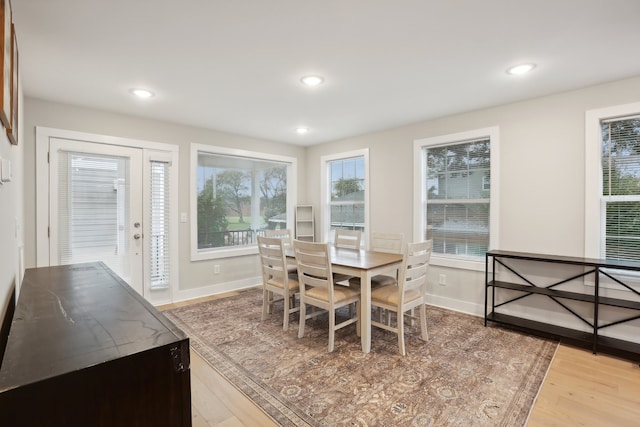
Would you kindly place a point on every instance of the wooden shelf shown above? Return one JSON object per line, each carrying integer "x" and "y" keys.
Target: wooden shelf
{"x": 305, "y": 226}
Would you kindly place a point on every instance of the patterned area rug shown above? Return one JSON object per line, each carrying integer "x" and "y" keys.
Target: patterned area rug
{"x": 465, "y": 375}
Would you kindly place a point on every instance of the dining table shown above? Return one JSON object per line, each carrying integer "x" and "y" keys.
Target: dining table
{"x": 363, "y": 264}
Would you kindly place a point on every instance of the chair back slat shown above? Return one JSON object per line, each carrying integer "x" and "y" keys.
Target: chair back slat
{"x": 387, "y": 242}
{"x": 348, "y": 239}
{"x": 285, "y": 235}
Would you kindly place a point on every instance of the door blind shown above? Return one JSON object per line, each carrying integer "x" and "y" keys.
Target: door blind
{"x": 93, "y": 208}
{"x": 159, "y": 219}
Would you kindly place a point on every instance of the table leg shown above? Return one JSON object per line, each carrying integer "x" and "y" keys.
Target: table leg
{"x": 365, "y": 310}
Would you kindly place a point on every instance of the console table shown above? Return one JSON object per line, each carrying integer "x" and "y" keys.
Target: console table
{"x": 594, "y": 269}
{"x": 85, "y": 349}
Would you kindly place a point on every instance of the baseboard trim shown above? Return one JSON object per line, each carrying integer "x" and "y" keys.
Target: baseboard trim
{"x": 218, "y": 288}
{"x": 456, "y": 305}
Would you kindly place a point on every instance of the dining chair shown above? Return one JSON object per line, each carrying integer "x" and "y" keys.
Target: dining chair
{"x": 317, "y": 289}
{"x": 383, "y": 242}
{"x": 287, "y": 239}
{"x": 284, "y": 234}
{"x": 276, "y": 279}
{"x": 407, "y": 294}
{"x": 348, "y": 239}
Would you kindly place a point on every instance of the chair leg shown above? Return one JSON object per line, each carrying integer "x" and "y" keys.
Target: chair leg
{"x": 424, "y": 333}
{"x": 303, "y": 316}
{"x": 400, "y": 321}
{"x": 358, "y": 313}
{"x": 285, "y": 323}
{"x": 332, "y": 329}
{"x": 265, "y": 303}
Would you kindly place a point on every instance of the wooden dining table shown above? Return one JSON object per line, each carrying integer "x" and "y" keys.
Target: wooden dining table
{"x": 363, "y": 264}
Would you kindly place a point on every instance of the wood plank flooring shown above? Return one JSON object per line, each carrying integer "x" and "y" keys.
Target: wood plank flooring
{"x": 581, "y": 389}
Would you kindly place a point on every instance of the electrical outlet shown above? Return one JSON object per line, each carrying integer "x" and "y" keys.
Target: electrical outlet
{"x": 216, "y": 269}
{"x": 443, "y": 280}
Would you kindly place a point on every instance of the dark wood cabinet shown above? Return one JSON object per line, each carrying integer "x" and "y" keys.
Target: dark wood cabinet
{"x": 85, "y": 349}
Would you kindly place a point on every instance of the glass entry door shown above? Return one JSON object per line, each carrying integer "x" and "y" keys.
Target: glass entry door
{"x": 96, "y": 207}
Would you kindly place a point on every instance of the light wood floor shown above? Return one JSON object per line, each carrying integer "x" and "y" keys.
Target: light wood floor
{"x": 581, "y": 389}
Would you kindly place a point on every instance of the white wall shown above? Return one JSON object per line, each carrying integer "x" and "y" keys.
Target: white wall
{"x": 542, "y": 170}
{"x": 196, "y": 278}
{"x": 11, "y": 215}
{"x": 542, "y": 174}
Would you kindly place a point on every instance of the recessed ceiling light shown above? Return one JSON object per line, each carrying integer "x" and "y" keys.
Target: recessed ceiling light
{"x": 302, "y": 130}
{"x": 521, "y": 69}
{"x": 142, "y": 93}
{"x": 312, "y": 80}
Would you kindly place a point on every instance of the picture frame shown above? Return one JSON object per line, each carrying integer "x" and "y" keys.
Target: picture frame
{"x": 5, "y": 62}
{"x": 12, "y": 131}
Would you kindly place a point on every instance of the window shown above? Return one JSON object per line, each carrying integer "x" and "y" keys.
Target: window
{"x": 457, "y": 200}
{"x": 613, "y": 192}
{"x": 236, "y": 195}
{"x": 345, "y": 188}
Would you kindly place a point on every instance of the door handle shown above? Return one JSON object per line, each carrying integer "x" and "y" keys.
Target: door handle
{"x": 137, "y": 236}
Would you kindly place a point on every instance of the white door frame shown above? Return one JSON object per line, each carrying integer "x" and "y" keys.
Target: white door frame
{"x": 43, "y": 136}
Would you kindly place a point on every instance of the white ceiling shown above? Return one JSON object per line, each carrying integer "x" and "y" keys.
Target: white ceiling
{"x": 235, "y": 65}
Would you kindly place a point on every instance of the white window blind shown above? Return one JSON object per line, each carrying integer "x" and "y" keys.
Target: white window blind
{"x": 159, "y": 220}
{"x": 458, "y": 197}
{"x": 621, "y": 188}
{"x": 347, "y": 193}
{"x": 93, "y": 207}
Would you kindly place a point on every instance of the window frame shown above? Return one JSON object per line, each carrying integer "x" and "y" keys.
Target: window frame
{"x": 325, "y": 192}
{"x": 233, "y": 251}
{"x": 420, "y": 193}
{"x": 595, "y": 207}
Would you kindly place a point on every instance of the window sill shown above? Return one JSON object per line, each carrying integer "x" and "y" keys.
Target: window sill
{"x": 205, "y": 254}
{"x": 474, "y": 264}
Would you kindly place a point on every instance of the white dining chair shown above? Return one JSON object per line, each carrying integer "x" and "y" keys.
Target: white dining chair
{"x": 383, "y": 242}
{"x": 317, "y": 289}
{"x": 287, "y": 240}
{"x": 407, "y": 294}
{"x": 348, "y": 239}
{"x": 276, "y": 279}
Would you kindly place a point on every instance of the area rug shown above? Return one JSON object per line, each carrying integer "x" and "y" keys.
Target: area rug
{"x": 465, "y": 375}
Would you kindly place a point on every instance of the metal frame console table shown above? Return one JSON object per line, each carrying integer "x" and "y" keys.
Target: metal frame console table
{"x": 592, "y": 267}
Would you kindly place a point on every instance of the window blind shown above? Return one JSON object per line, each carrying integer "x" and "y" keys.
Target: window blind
{"x": 93, "y": 209}
{"x": 347, "y": 193}
{"x": 159, "y": 220}
{"x": 621, "y": 188}
{"x": 458, "y": 197}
